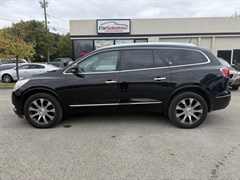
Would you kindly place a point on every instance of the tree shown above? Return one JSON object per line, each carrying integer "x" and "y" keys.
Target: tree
{"x": 236, "y": 14}
{"x": 14, "y": 46}
{"x": 65, "y": 46}
{"x": 35, "y": 32}
{"x": 32, "y": 32}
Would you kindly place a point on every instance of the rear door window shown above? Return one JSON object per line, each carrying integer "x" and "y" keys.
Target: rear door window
{"x": 141, "y": 59}
{"x": 183, "y": 56}
{"x": 35, "y": 66}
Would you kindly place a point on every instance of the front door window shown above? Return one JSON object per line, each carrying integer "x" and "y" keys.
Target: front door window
{"x": 102, "y": 62}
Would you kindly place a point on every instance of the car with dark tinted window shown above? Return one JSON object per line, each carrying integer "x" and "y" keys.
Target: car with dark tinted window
{"x": 61, "y": 62}
{"x": 182, "y": 81}
{"x": 234, "y": 79}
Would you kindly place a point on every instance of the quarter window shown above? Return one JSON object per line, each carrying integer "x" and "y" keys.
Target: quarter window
{"x": 102, "y": 62}
{"x": 182, "y": 57}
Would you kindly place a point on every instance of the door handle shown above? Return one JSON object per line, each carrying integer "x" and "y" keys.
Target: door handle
{"x": 110, "y": 82}
{"x": 159, "y": 78}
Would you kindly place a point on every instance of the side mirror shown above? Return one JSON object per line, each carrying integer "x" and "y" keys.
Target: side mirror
{"x": 74, "y": 70}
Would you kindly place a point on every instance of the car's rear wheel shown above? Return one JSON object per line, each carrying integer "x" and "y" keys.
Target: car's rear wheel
{"x": 188, "y": 110}
{"x": 42, "y": 110}
{"x": 7, "y": 78}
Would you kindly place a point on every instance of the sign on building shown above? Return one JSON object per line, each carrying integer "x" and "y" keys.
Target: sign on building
{"x": 112, "y": 26}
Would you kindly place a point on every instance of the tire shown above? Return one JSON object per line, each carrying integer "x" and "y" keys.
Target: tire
{"x": 235, "y": 87}
{"x": 42, "y": 110}
{"x": 190, "y": 115}
{"x": 7, "y": 78}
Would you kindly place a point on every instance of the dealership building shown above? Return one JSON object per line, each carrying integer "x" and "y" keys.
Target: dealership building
{"x": 219, "y": 34}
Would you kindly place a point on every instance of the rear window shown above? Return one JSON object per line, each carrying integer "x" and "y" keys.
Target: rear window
{"x": 182, "y": 56}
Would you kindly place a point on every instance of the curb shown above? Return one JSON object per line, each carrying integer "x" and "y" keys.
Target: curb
{"x": 6, "y": 87}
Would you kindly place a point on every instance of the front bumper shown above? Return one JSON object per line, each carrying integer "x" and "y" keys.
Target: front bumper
{"x": 221, "y": 101}
{"x": 16, "y": 101}
{"x": 17, "y": 113}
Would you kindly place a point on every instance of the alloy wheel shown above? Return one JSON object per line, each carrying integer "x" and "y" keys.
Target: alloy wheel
{"x": 7, "y": 78}
{"x": 42, "y": 111}
{"x": 189, "y": 111}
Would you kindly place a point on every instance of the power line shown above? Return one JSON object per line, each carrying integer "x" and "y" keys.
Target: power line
{"x": 57, "y": 18}
{"x": 8, "y": 19}
{"x": 50, "y": 15}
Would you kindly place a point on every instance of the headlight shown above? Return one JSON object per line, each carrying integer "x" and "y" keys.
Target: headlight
{"x": 19, "y": 84}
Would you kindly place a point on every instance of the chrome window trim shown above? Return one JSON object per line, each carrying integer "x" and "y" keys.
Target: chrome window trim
{"x": 144, "y": 69}
{"x": 115, "y": 104}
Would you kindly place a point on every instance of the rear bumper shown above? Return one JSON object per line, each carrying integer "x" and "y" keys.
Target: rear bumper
{"x": 221, "y": 102}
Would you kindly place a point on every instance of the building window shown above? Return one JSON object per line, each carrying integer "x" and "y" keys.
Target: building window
{"x": 225, "y": 54}
{"x": 82, "y": 47}
{"x": 124, "y": 41}
{"x": 140, "y": 40}
{"x": 102, "y": 43}
{"x": 236, "y": 56}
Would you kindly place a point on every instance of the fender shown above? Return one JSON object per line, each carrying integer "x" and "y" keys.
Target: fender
{"x": 192, "y": 88}
{"x": 37, "y": 89}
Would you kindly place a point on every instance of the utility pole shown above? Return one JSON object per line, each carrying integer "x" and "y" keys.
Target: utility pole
{"x": 44, "y": 5}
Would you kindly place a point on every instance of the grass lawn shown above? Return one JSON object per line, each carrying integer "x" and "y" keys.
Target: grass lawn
{"x": 6, "y": 85}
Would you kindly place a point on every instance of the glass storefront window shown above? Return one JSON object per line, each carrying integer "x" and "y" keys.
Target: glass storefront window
{"x": 82, "y": 47}
{"x": 225, "y": 54}
{"x": 140, "y": 40}
{"x": 102, "y": 43}
{"x": 236, "y": 56}
{"x": 124, "y": 41}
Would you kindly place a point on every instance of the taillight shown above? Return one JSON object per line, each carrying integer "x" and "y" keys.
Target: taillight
{"x": 225, "y": 72}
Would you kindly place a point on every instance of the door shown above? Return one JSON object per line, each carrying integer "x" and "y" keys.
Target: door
{"x": 96, "y": 83}
{"x": 144, "y": 77}
{"x": 23, "y": 71}
{"x": 36, "y": 69}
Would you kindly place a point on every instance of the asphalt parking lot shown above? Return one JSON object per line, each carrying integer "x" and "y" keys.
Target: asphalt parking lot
{"x": 120, "y": 146}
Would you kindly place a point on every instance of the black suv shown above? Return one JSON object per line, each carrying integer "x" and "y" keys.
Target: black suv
{"x": 182, "y": 81}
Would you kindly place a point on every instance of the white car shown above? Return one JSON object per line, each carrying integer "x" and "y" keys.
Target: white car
{"x": 25, "y": 71}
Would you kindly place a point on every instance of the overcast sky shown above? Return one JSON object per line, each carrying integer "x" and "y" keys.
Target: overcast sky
{"x": 61, "y": 11}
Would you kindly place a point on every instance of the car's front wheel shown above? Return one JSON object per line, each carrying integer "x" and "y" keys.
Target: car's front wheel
{"x": 42, "y": 110}
{"x": 7, "y": 78}
{"x": 187, "y": 110}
